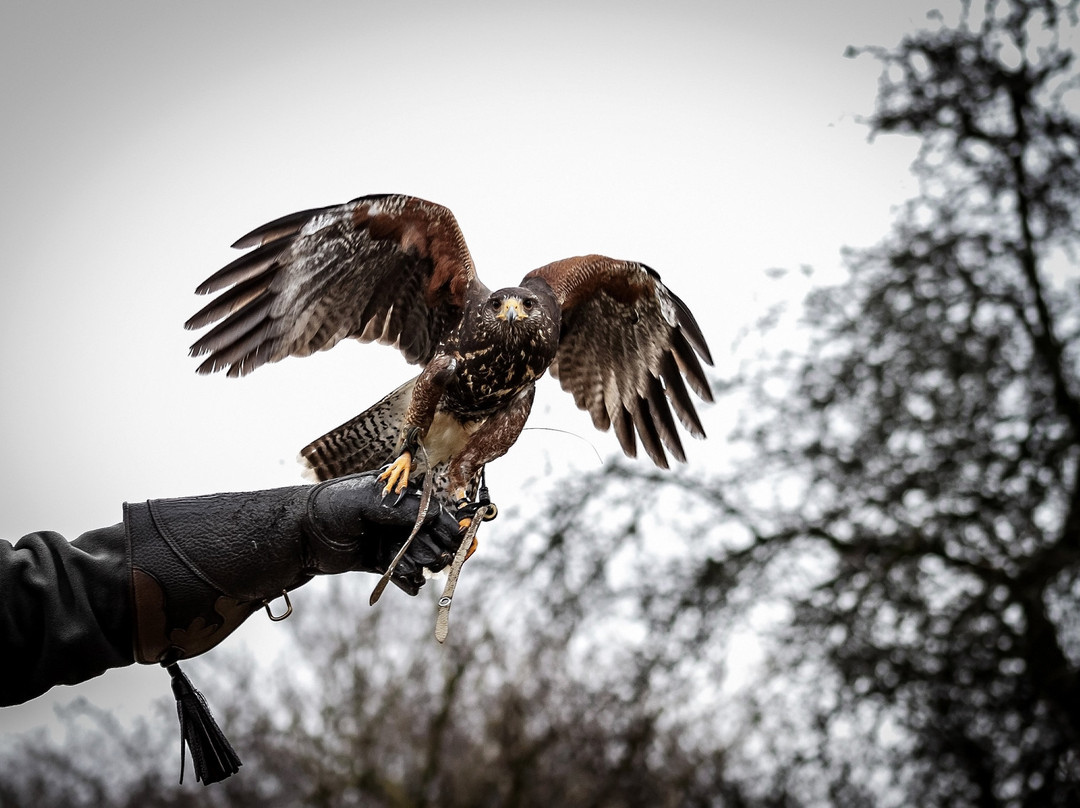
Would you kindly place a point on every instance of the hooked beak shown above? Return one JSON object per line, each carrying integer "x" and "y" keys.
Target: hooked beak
{"x": 512, "y": 310}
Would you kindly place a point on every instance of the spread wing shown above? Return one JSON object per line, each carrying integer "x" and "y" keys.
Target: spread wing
{"x": 388, "y": 268}
{"x": 627, "y": 343}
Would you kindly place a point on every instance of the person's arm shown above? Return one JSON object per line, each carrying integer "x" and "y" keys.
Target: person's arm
{"x": 65, "y": 610}
{"x": 178, "y": 575}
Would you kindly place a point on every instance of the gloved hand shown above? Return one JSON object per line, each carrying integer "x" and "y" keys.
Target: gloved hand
{"x": 201, "y": 565}
{"x": 351, "y": 526}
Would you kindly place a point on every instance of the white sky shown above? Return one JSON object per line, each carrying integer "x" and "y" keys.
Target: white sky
{"x": 711, "y": 140}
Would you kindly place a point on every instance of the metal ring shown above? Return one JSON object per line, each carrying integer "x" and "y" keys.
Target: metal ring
{"x": 277, "y": 618}
{"x": 444, "y": 601}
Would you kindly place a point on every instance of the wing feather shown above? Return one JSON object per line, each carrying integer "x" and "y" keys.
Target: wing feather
{"x": 646, "y": 429}
{"x": 627, "y": 351}
{"x": 624, "y": 431}
{"x": 239, "y": 327}
{"x": 243, "y": 268}
{"x": 288, "y": 225}
{"x": 225, "y": 304}
{"x": 690, "y": 366}
{"x": 660, "y": 414}
{"x": 390, "y": 268}
{"x": 680, "y": 396}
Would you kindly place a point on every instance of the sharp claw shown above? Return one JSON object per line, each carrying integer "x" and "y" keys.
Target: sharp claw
{"x": 425, "y": 500}
{"x": 397, "y": 474}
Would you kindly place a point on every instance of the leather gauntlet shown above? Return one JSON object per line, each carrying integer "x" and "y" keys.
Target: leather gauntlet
{"x": 202, "y": 565}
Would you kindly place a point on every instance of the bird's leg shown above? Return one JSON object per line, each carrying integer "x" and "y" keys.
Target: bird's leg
{"x": 464, "y": 521}
{"x": 397, "y": 473}
{"x": 467, "y": 510}
{"x": 427, "y": 392}
{"x": 490, "y": 441}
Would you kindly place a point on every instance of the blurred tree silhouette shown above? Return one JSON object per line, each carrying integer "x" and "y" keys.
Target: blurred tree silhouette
{"x": 925, "y": 449}
{"x": 910, "y": 483}
{"x": 373, "y": 712}
{"x": 874, "y": 603}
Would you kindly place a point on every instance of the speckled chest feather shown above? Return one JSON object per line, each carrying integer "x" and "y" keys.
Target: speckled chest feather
{"x": 496, "y": 362}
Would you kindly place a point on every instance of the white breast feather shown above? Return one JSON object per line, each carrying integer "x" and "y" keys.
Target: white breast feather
{"x": 446, "y": 437}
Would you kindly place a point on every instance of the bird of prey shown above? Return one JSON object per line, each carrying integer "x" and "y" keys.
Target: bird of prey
{"x": 395, "y": 269}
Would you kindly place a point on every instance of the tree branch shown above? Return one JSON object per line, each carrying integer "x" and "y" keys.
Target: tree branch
{"x": 1046, "y": 342}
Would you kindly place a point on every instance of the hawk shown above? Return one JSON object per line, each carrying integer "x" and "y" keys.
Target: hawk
{"x": 394, "y": 269}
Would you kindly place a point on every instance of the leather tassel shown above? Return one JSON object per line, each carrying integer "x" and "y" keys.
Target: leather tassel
{"x": 211, "y": 753}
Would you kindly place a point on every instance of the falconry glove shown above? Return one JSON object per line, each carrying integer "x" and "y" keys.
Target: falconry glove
{"x": 201, "y": 565}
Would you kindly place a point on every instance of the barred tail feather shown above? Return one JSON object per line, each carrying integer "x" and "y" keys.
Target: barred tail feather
{"x": 363, "y": 443}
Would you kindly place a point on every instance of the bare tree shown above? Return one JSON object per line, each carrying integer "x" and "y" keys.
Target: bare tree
{"x": 909, "y": 494}
{"x": 918, "y": 465}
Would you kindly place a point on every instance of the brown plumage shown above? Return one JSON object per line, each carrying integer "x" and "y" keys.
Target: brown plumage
{"x": 395, "y": 269}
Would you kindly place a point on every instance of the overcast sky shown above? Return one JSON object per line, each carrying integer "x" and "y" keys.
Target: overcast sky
{"x": 713, "y": 141}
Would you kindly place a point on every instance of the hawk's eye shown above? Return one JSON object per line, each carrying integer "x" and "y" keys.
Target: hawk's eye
{"x": 494, "y": 304}
{"x": 528, "y": 303}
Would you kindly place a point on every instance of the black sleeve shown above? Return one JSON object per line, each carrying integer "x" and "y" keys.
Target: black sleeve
{"x": 65, "y": 610}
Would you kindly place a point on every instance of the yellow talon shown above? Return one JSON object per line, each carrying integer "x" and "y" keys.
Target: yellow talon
{"x": 397, "y": 476}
